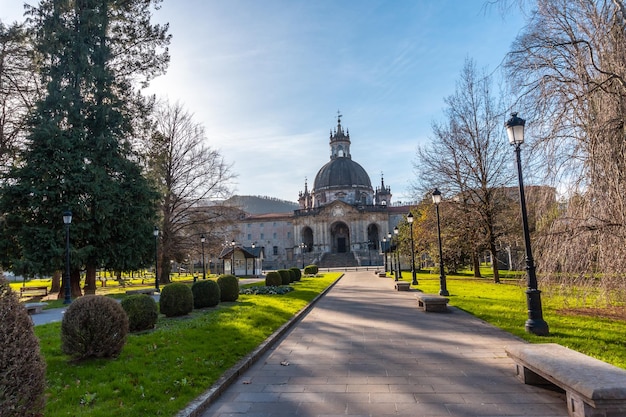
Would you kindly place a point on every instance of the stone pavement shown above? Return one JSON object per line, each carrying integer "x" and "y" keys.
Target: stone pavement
{"x": 365, "y": 349}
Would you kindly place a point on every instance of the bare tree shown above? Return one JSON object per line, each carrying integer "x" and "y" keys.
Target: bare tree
{"x": 19, "y": 87}
{"x": 569, "y": 66}
{"x": 468, "y": 159}
{"x": 189, "y": 174}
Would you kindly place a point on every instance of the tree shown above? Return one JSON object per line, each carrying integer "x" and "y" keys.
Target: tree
{"x": 188, "y": 174}
{"x": 467, "y": 157}
{"x": 78, "y": 154}
{"x": 19, "y": 87}
{"x": 569, "y": 69}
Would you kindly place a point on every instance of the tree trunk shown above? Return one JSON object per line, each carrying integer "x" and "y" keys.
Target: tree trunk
{"x": 494, "y": 263}
{"x": 74, "y": 285}
{"x": 56, "y": 282}
{"x": 90, "y": 280}
{"x": 476, "y": 263}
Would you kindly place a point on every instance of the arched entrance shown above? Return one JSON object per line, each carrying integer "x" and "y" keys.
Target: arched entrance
{"x": 373, "y": 237}
{"x": 307, "y": 238}
{"x": 340, "y": 235}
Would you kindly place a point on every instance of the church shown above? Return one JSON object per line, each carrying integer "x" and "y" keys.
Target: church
{"x": 341, "y": 220}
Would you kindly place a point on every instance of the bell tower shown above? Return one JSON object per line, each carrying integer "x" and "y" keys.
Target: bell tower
{"x": 339, "y": 141}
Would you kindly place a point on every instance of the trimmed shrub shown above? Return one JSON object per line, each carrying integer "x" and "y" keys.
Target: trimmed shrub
{"x": 94, "y": 326}
{"x": 285, "y": 275}
{"x": 22, "y": 368}
{"x": 142, "y": 312}
{"x": 176, "y": 300}
{"x": 229, "y": 287}
{"x": 297, "y": 273}
{"x": 273, "y": 279}
{"x": 310, "y": 270}
{"x": 206, "y": 293}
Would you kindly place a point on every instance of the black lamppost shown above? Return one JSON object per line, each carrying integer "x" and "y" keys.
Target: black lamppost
{"x": 384, "y": 248}
{"x": 398, "y": 265}
{"x": 202, "y": 240}
{"x": 156, "y": 258}
{"x": 253, "y": 258}
{"x": 409, "y": 218}
{"x": 369, "y": 251}
{"x": 535, "y": 323}
{"x": 232, "y": 261}
{"x": 442, "y": 275}
{"x": 67, "y": 220}
{"x": 392, "y": 256}
{"x": 302, "y": 246}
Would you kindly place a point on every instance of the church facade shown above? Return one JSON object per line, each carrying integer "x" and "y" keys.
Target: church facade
{"x": 341, "y": 221}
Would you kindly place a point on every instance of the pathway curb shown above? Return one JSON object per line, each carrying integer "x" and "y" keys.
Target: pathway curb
{"x": 196, "y": 407}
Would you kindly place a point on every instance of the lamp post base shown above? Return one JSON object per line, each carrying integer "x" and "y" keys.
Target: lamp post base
{"x": 535, "y": 323}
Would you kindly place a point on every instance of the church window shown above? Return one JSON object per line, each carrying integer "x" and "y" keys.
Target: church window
{"x": 288, "y": 234}
{"x": 274, "y": 235}
{"x": 262, "y": 236}
{"x": 249, "y": 236}
{"x": 275, "y": 250}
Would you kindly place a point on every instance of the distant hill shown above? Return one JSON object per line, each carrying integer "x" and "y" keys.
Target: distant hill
{"x": 262, "y": 205}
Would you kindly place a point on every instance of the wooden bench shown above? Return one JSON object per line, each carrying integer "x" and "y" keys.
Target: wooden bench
{"x": 432, "y": 302}
{"x": 148, "y": 291}
{"x": 402, "y": 286}
{"x": 34, "y": 308}
{"x": 593, "y": 388}
{"x": 37, "y": 290}
{"x": 382, "y": 274}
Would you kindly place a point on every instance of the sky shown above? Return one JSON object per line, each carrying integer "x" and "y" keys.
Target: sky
{"x": 267, "y": 78}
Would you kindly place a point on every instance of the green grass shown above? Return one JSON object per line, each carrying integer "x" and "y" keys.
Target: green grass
{"x": 504, "y": 306}
{"x": 160, "y": 371}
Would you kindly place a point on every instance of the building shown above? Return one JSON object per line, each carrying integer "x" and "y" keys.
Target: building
{"x": 341, "y": 221}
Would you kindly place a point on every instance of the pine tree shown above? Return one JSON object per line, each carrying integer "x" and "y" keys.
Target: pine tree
{"x": 78, "y": 153}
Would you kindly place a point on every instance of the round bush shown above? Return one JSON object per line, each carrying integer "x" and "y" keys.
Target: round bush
{"x": 229, "y": 287}
{"x": 94, "y": 326}
{"x": 273, "y": 279}
{"x": 205, "y": 293}
{"x": 23, "y": 369}
{"x": 142, "y": 312}
{"x": 310, "y": 270}
{"x": 176, "y": 300}
{"x": 285, "y": 275}
{"x": 297, "y": 273}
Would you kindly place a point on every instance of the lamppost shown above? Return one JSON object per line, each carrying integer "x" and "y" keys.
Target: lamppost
{"x": 398, "y": 265}
{"x": 67, "y": 220}
{"x": 202, "y": 240}
{"x": 442, "y": 275}
{"x": 409, "y": 218}
{"x": 535, "y": 323}
{"x": 392, "y": 257}
{"x": 369, "y": 251}
{"x": 384, "y": 248}
{"x": 302, "y": 246}
{"x": 156, "y": 258}
{"x": 232, "y": 261}
{"x": 253, "y": 258}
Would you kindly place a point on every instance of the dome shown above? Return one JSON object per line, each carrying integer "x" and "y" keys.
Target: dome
{"x": 341, "y": 173}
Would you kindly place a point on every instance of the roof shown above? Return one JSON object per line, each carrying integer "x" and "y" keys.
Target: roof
{"x": 341, "y": 173}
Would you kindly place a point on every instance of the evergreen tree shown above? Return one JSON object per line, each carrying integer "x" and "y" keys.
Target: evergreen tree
{"x": 78, "y": 153}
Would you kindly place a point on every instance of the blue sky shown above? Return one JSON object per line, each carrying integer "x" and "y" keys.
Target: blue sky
{"x": 267, "y": 77}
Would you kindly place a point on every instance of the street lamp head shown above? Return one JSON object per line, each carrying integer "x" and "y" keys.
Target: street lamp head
{"x": 253, "y": 245}
{"x": 384, "y": 240}
{"x": 409, "y": 217}
{"x": 156, "y": 231}
{"x": 395, "y": 230}
{"x": 436, "y": 196}
{"x": 515, "y": 129}
{"x": 202, "y": 238}
{"x": 67, "y": 217}
{"x": 389, "y": 235}
{"x": 233, "y": 243}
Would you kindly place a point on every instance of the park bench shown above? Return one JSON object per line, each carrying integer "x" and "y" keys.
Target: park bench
{"x": 36, "y": 290}
{"x": 432, "y": 302}
{"x": 593, "y": 388}
{"x": 34, "y": 308}
{"x": 402, "y": 286}
{"x": 149, "y": 291}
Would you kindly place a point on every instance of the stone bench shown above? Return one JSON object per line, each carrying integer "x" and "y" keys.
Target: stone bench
{"x": 37, "y": 290}
{"x": 148, "y": 291}
{"x": 432, "y": 302}
{"x": 34, "y": 308}
{"x": 593, "y": 388}
{"x": 402, "y": 286}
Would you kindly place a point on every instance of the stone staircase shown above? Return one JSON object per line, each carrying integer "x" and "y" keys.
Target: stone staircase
{"x": 337, "y": 260}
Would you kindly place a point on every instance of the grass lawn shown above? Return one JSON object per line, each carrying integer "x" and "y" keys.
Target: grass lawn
{"x": 160, "y": 371}
{"x": 504, "y": 306}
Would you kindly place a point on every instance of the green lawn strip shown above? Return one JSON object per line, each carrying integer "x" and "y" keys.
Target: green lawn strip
{"x": 504, "y": 306}
{"x": 161, "y": 371}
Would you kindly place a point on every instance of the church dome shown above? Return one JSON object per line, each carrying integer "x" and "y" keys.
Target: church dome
{"x": 341, "y": 173}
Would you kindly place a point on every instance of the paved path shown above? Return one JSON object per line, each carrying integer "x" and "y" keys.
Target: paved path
{"x": 366, "y": 350}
